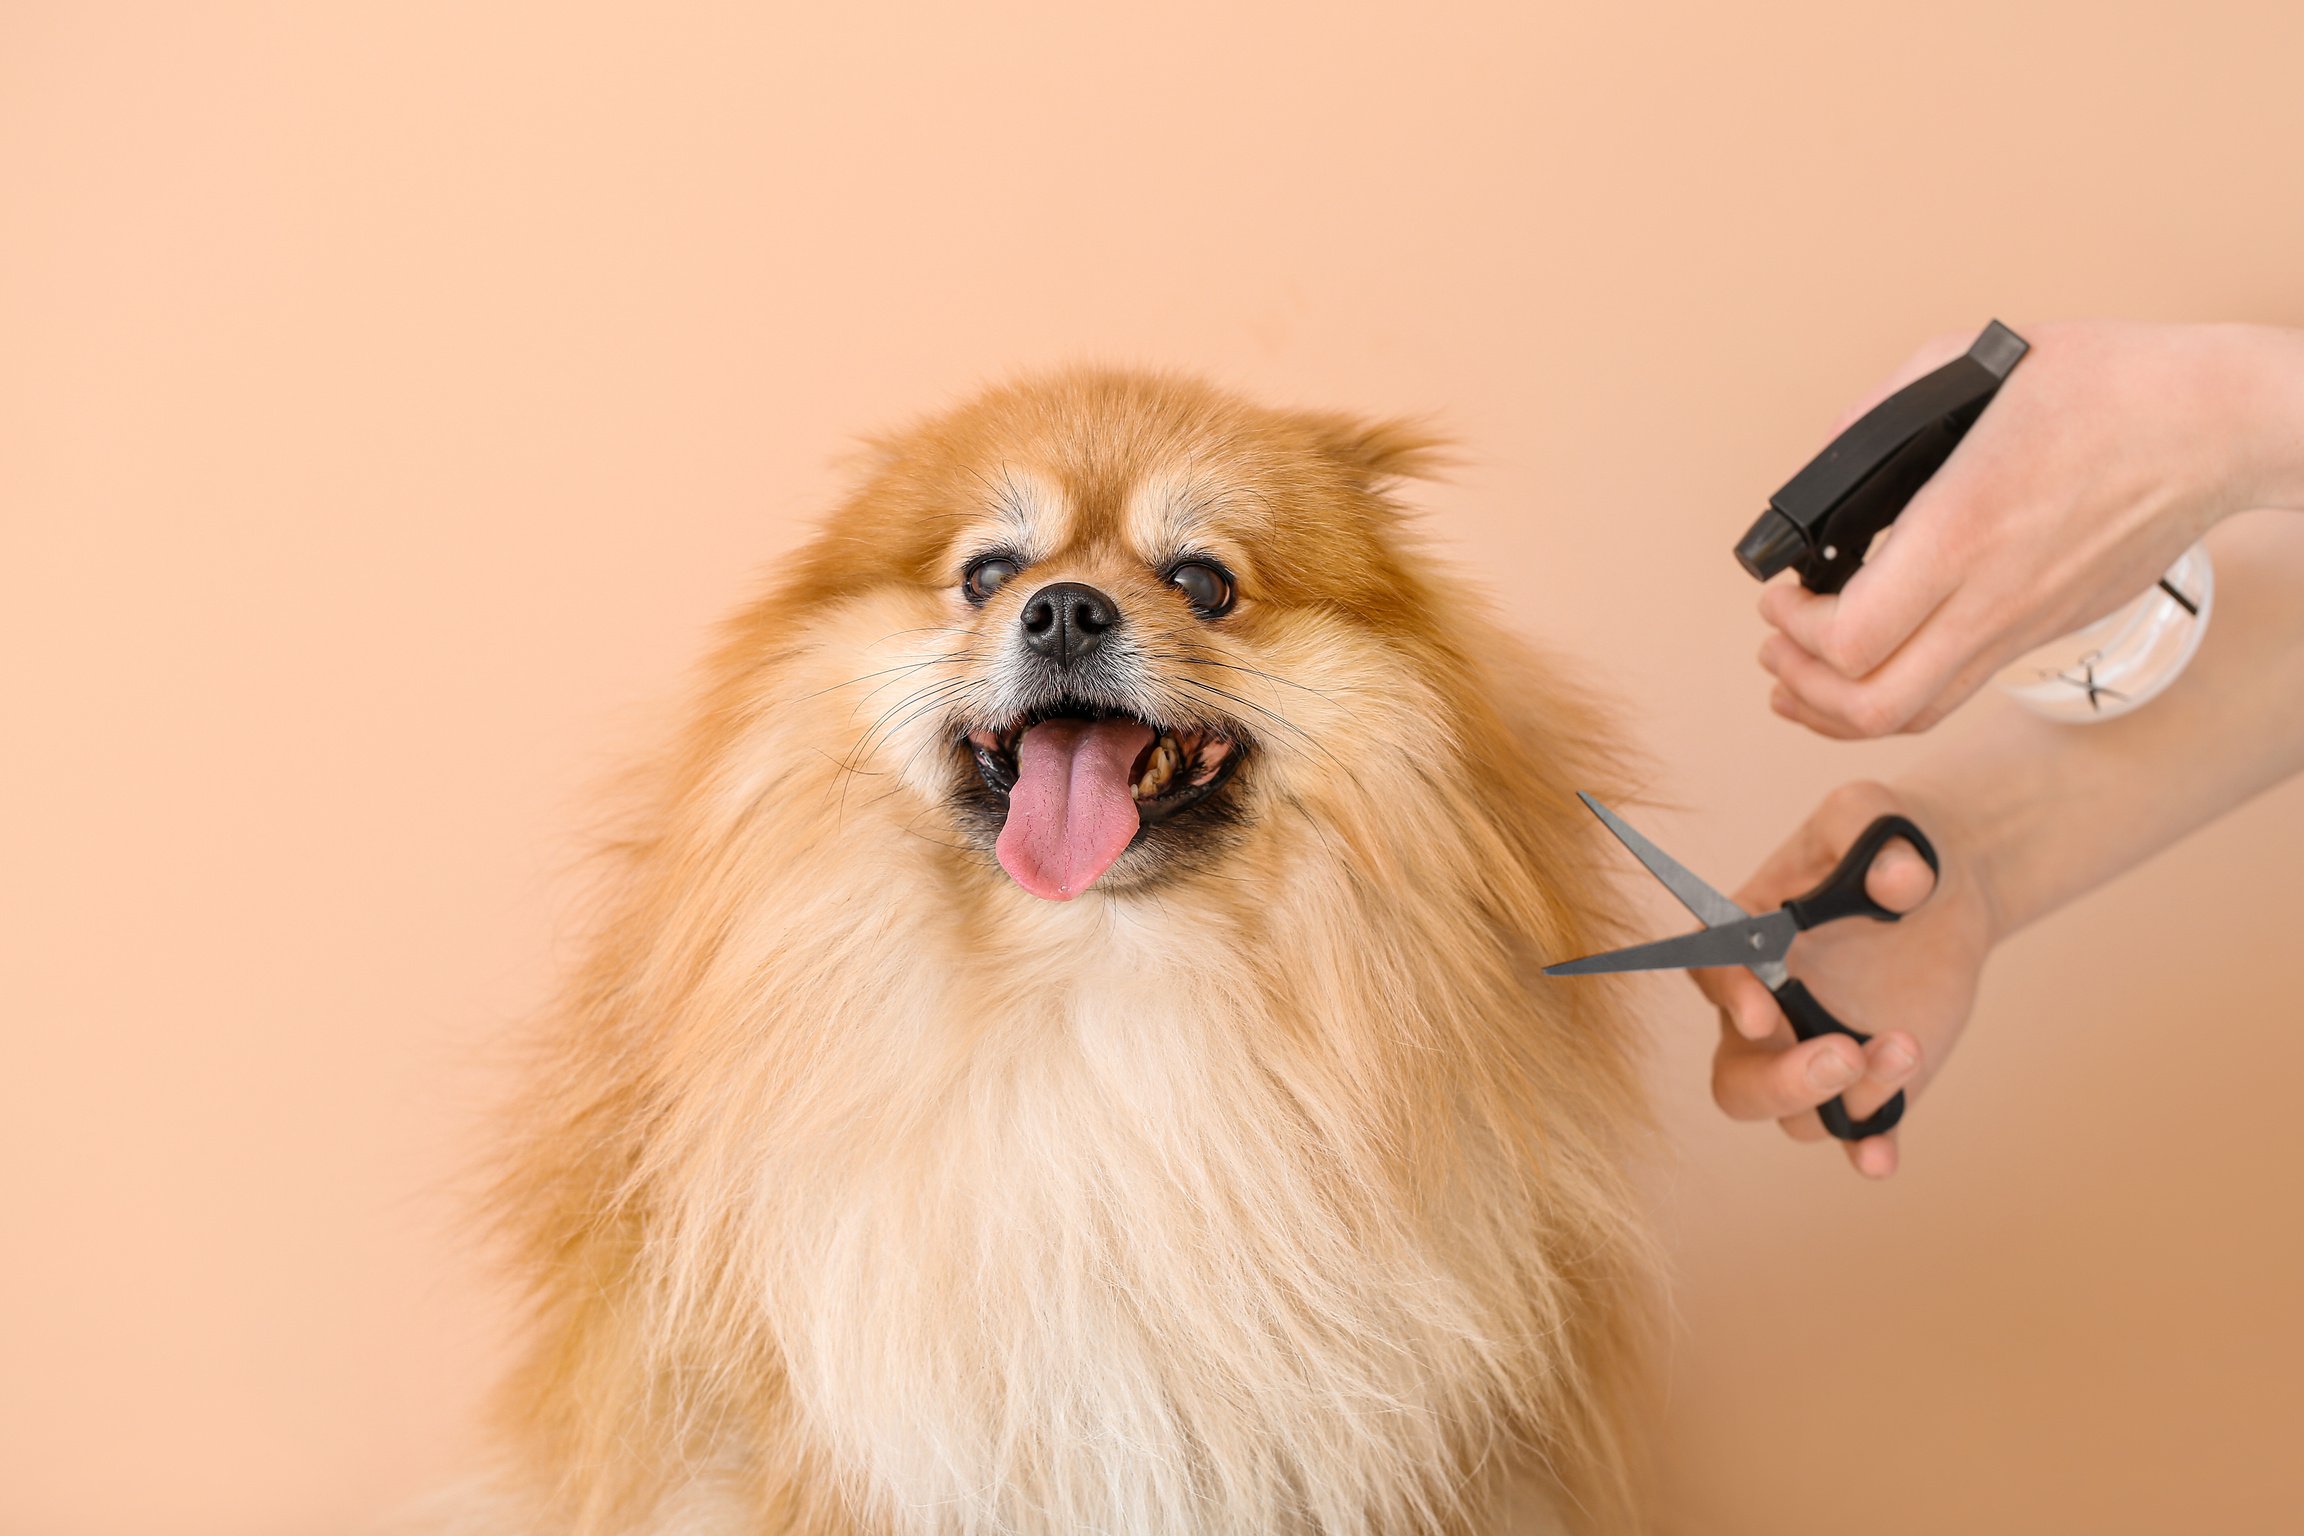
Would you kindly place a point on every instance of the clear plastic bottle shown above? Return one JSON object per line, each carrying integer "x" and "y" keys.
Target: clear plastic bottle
{"x": 2122, "y": 660}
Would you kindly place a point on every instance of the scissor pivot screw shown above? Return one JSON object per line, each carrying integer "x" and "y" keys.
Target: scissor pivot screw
{"x": 1754, "y": 940}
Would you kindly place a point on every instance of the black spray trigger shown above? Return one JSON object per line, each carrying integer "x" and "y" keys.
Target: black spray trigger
{"x": 1824, "y": 519}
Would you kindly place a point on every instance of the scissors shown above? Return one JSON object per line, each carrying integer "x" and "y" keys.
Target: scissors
{"x": 1759, "y": 944}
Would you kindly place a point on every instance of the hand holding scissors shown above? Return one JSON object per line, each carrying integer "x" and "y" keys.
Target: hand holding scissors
{"x": 1869, "y": 972}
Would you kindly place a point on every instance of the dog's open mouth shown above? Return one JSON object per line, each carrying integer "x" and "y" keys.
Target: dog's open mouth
{"x": 1081, "y": 784}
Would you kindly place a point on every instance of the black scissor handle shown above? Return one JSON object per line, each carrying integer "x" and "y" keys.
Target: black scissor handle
{"x": 1842, "y": 894}
{"x": 1811, "y": 1018}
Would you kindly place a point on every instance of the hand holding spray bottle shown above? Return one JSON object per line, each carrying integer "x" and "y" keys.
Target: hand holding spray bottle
{"x": 1822, "y": 524}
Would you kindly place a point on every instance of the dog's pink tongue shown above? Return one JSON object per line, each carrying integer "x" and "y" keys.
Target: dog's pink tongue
{"x": 1069, "y": 814}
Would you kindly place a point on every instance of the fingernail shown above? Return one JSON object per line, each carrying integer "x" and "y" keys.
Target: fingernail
{"x": 1898, "y": 1057}
{"x": 1830, "y": 1071}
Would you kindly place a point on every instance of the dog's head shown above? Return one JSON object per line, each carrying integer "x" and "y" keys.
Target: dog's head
{"x": 1108, "y": 626}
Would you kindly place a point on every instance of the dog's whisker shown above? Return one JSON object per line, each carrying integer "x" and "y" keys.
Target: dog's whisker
{"x": 1270, "y": 714}
{"x": 1296, "y": 804}
{"x": 873, "y": 693}
{"x": 853, "y": 763}
{"x": 904, "y": 769}
{"x": 927, "y": 629}
{"x": 910, "y": 707}
{"x": 865, "y": 677}
{"x": 1270, "y": 677}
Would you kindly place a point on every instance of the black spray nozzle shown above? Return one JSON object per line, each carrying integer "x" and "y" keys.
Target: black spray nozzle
{"x": 1770, "y": 544}
{"x": 1824, "y": 519}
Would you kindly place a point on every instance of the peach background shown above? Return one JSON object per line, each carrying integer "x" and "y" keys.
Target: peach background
{"x": 391, "y": 395}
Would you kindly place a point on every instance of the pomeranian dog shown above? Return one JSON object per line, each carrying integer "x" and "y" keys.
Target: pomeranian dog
{"x": 1064, "y": 1051}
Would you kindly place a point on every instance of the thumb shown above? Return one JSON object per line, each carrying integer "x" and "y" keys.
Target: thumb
{"x": 1899, "y": 878}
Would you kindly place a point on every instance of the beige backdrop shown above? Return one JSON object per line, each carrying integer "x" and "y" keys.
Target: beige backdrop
{"x": 391, "y": 396}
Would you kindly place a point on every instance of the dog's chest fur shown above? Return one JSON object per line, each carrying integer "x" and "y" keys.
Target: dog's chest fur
{"x": 1116, "y": 1262}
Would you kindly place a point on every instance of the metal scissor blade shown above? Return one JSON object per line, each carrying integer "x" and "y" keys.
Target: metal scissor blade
{"x": 1746, "y": 941}
{"x": 1712, "y": 908}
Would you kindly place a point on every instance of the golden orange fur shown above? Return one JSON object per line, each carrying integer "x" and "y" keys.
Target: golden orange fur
{"x": 1265, "y": 1188}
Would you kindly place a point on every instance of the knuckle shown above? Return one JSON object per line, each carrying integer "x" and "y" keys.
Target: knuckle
{"x": 1876, "y": 713}
{"x": 1843, "y": 651}
{"x": 1899, "y": 1055}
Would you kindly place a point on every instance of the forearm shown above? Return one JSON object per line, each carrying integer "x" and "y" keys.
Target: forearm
{"x": 2052, "y": 811}
{"x": 2255, "y": 389}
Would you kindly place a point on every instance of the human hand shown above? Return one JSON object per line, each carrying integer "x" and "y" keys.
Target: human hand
{"x": 2112, "y": 447}
{"x": 1910, "y": 985}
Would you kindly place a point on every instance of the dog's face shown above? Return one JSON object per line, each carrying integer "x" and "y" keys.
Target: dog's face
{"x": 1133, "y": 619}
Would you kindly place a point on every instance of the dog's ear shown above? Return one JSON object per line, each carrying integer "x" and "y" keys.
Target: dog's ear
{"x": 1377, "y": 452}
{"x": 869, "y": 455}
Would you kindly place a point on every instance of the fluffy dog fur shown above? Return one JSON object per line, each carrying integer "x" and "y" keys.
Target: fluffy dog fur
{"x": 1263, "y": 1188}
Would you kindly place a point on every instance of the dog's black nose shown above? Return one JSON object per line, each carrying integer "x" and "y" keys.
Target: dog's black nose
{"x": 1065, "y": 620}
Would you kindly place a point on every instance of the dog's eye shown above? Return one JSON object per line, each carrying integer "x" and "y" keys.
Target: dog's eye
{"x": 987, "y": 576}
{"x": 1206, "y": 584}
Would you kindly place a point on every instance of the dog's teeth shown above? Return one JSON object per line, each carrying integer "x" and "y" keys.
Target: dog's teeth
{"x": 1158, "y": 770}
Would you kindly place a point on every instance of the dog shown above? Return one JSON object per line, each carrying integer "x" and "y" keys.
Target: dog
{"x": 1063, "y": 1048}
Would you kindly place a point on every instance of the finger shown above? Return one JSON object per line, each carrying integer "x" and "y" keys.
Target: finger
{"x": 1752, "y": 1082}
{"x": 1904, "y": 578}
{"x": 1857, "y": 629}
{"x": 1891, "y": 1060}
{"x": 1712, "y": 982}
{"x": 1899, "y": 878}
{"x": 1804, "y": 858}
{"x": 1965, "y": 684}
{"x": 2003, "y": 647}
{"x": 1797, "y": 710}
{"x": 1882, "y": 703}
{"x": 1875, "y": 1157}
{"x": 1803, "y": 1127}
{"x": 1745, "y": 1005}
